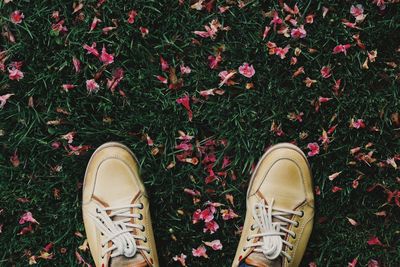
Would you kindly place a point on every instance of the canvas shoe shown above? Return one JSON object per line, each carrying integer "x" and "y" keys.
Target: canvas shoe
{"x": 280, "y": 210}
{"x": 116, "y": 210}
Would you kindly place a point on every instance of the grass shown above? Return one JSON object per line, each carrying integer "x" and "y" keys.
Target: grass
{"x": 51, "y": 180}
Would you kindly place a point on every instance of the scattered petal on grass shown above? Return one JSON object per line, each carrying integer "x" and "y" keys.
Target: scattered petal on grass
{"x": 16, "y": 17}
{"x": 201, "y": 251}
{"x": 352, "y": 221}
{"x": 215, "y": 244}
{"x": 333, "y": 176}
{"x": 374, "y": 241}
{"x": 92, "y": 86}
{"x": 27, "y": 217}
{"x": 247, "y": 70}
{"x": 4, "y": 99}
{"x": 184, "y": 101}
{"x": 314, "y": 149}
{"x": 181, "y": 259}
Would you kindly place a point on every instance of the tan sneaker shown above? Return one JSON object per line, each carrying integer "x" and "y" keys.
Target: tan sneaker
{"x": 280, "y": 210}
{"x": 116, "y": 210}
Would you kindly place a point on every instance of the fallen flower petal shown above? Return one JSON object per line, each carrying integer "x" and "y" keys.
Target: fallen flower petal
{"x": 374, "y": 241}
{"x": 184, "y": 101}
{"x": 92, "y": 86}
{"x": 181, "y": 259}
{"x": 215, "y": 244}
{"x": 16, "y": 17}
{"x": 3, "y": 99}
{"x": 314, "y": 149}
{"x": 27, "y": 217}
{"x": 201, "y": 251}
{"x": 247, "y": 70}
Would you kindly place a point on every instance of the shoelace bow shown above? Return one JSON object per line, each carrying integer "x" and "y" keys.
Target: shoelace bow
{"x": 272, "y": 234}
{"x": 119, "y": 231}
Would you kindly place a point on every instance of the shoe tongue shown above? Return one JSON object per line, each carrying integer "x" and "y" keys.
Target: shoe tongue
{"x": 257, "y": 259}
{"x": 122, "y": 261}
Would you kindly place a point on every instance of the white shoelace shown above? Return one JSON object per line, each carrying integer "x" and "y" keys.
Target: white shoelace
{"x": 119, "y": 231}
{"x": 272, "y": 234}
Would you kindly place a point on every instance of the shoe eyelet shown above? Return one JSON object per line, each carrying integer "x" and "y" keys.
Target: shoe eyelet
{"x": 97, "y": 210}
{"x": 141, "y": 206}
{"x": 294, "y": 236}
{"x": 252, "y": 228}
{"x": 145, "y": 240}
{"x": 140, "y": 217}
{"x": 297, "y": 225}
{"x": 143, "y": 229}
{"x": 302, "y": 214}
{"x": 244, "y": 249}
{"x": 248, "y": 239}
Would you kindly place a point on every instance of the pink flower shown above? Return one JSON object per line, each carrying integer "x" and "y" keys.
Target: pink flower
{"x": 341, "y": 49}
{"x": 185, "y": 69}
{"x": 59, "y": 27}
{"x": 27, "y": 217}
{"x": 184, "y": 147}
{"x": 298, "y": 33}
{"x": 92, "y": 86}
{"x": 226, "y": 77}
{"x": 144, "y": 31}
{"x": 314, "y": 149}
{"x": 214, "y": 61}
{"x": 333, "y": 176}
{"x": 92, "y": 49}
{"x": 164, "y": 64}
{"x": 105, "y": 57}
{"x": 16, "y": 17}
{"x": 247, "y": 70}
{"x": 69, "y": 137}
{"x": 201, "y": 251}
{"x": 266, "y": 31}
{"x": 336, "y": 189}
{"x": 94, "y": 23}
{"x": 215, "y": 244}
{"x": 192, "y": 192}
{"x": 67, "y": 87}
{"x": 15, "y": 74}
{"x": 181, "y": 259}
{"x": 77, "y": 64}
{"x": 380, "y": 3}
{"x": 207, "y": 215}
{"x": 162, "y": 79}
{"x": 196, "y": 217}
{"x": 374, "y": 241}
{"x": 131, "y": 16}
{"x": 358, "y": 124}
{"x": 226, "y": 162}
{"x": 373, "y": 263}
{"x": 326, "y": 72}
{"x": 55, "y": 145}
{"x": 276, "y": 20}
{"x": 353, "y": 263}
{"x": 184, "y": 101}
{"x": 228, "y": 214}
{"x": 310, "y": 19}
{"x": 357, "y": 10}
{"x": 118, "y": 75}
{"x": 281, "y": 52}
{"x": 211, "y": 227}
{"x": 3, "y": 99}
{"x": 324, "y": 99}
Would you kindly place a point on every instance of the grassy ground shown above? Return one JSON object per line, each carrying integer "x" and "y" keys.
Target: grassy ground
{"x": 47, "y": 181}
